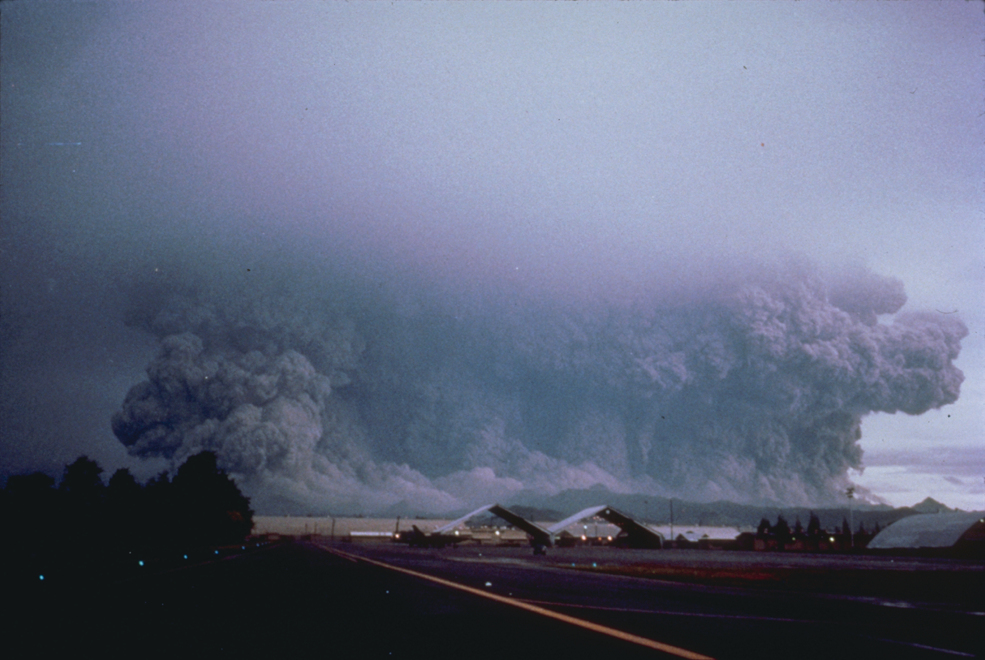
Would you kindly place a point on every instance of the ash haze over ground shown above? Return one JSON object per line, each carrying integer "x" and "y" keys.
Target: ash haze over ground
{"x": 416, "y": 257}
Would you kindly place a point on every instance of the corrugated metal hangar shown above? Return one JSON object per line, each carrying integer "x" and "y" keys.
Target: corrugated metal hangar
{"x": 961, "y": 532}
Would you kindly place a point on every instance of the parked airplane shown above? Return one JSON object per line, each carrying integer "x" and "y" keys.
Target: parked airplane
{"x": 439, "y": 538}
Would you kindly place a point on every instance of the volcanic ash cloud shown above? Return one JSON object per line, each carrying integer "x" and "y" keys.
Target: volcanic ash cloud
{"x": 753, "y": 389}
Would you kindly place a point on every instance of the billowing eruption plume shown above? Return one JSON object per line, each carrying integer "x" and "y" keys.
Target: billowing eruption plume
{"x": 753, "y": 389}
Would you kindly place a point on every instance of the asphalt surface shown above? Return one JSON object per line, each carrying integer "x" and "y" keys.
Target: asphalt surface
{"x": 725, "y": 621}
{"x": 305, "y": 597}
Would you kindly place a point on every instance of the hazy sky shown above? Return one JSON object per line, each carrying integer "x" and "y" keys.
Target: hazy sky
{"x": 574, "y": 152}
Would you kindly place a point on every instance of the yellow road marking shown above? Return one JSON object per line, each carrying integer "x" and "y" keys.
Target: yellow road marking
{"x": 581, "y": 623}
{"x": 699, "y": 615}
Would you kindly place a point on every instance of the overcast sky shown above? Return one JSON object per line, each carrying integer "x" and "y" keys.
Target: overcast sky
{"x": 576, "y": 152}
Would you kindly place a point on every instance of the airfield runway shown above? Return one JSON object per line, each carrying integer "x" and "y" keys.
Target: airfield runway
{"x": 351, "y": 600}
{"x": 732, "y": 604}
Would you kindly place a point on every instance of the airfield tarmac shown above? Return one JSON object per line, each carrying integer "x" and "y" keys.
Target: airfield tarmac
{"x": 730, "y": 604}
{"x": 956, "y": 583}
{"x": 316, "y": 596}
{"x": 688, "y": 557}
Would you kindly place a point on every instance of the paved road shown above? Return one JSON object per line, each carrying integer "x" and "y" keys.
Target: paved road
{"x": 299, "y": 597}
{"x": 716, "y": 621}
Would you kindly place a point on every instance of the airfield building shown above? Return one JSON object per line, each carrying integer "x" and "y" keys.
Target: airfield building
{"x": 948, "y": 533}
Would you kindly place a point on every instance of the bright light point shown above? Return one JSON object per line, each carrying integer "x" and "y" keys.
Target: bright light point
{"x": 488, "y": 584}
{"x": 186, "y": 556}
{"x": 41, "y": 577}
{"x": 140, "y": 563}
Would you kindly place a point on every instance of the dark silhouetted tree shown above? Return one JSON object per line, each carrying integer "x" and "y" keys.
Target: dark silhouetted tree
{"x": 125, "y": 504}
{"x": 30, "y": 488}
{"x": 123, "y": 489}
{"x": 765, "y": 530}
{"x": 83, "y": 493}
{"x": 781, "y": 530}
{"x": 30, "y": 515}
{"x": 813, "y": 526}
{"x": 83, "y": 482}
{"x": 862, "y": 536}
{"x": 210, "y": 507}
{"x": 31, "y": 508}
{"x": 160, "y": 519}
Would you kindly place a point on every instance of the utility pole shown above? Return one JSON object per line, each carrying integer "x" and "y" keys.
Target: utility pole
{"x": 850, "y": 491}
{"x": 672, "y": 520}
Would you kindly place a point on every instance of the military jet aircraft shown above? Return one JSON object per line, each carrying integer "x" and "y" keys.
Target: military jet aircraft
{"x": 439, "y": 538}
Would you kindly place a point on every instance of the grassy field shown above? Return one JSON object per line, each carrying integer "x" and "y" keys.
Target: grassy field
{"x": 936, "y": 586}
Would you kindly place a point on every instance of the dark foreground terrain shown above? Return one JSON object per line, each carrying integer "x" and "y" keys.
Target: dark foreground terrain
{"x": 305, "y": 597}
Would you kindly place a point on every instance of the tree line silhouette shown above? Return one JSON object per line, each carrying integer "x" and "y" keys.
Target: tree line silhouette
{"x": 781, "y": 536}
{"x": 85, "y": 518}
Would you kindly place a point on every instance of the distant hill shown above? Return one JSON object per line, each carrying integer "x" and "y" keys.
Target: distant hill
{"x": 930, "y": 505}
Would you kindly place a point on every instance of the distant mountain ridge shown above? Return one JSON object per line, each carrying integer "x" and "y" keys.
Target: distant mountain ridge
{"x": 657, "y": 510}
{"x": 930, "y": 505}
